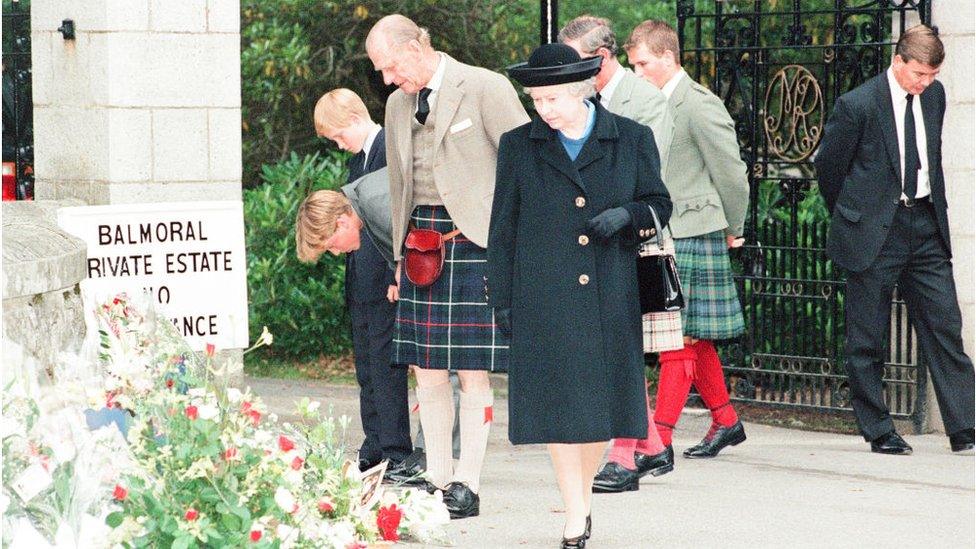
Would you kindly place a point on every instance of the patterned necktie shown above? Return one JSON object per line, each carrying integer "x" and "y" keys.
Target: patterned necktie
{"x": 912, "y": 163}
{"x": 423, "y": 107}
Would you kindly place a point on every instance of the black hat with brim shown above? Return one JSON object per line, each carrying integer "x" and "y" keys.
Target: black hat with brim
{"x": 552, "y": 64}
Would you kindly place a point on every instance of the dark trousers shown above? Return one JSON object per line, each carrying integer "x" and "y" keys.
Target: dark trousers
{"x": 914, "y": 257}
{"x": 382, "y": 388}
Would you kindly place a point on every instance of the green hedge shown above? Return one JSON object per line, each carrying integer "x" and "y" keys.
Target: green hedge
{"x": 302, "y": 305}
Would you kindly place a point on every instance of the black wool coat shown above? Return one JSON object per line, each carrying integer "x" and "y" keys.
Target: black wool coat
{"x": 577, "y": 369}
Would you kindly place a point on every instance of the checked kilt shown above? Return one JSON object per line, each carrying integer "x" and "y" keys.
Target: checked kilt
{"x": 449, "y": 325}
{"x": 712, "y": 309}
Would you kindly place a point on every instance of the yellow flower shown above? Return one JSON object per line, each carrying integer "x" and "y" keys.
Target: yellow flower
{"x": 360, "y": 12}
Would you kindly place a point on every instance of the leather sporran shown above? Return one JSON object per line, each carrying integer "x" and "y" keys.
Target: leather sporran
{"x": 423, "y": 257}
{"x": 657, "y": 275}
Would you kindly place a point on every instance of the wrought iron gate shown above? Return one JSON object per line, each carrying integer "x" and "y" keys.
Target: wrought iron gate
{"x": 18, "y": 111}
{"x": 779, "y": 65}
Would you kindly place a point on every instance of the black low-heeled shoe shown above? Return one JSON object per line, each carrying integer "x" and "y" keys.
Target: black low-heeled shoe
{"x": 579, "y": 542}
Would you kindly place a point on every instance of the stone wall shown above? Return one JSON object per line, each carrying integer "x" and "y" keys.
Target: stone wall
{"x": 142, "y": 106}
{"x": 42, "y": 266}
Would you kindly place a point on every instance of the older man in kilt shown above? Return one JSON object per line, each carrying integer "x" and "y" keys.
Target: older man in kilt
{"x": 443, "y": 125}
{"x": 709, "y": 187}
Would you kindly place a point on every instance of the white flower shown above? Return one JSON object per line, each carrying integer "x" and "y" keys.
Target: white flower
{"x": 313, "y": 406}
{"x": 287, "y": 535}
{"x": 234, "y": 395}
{"x": 285, "y": 500}
{"x": 266, "y": 337}
{"x": 208, "y": 411}
{"x": 197, "y": 392}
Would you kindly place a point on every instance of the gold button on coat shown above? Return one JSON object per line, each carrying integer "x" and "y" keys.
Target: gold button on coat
{"x": 584, "y": 240}
{"x": 584, "y": 279}
{"x": 580, "y": 202}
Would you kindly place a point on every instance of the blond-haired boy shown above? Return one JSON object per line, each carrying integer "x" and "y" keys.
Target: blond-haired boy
{"x": 356, "y": 221}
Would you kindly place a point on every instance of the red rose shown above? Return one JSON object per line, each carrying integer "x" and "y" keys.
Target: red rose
{"x": 191, "y": 514}
{"x": 191, "y": 412}
{"x": 210, "y": 350}
{"x": 248, "y": 409}
{"x": 285, "y": 444}
{"x": 388, "y": 521}
{"x": 256, "y": 535}
{"x": 296, "y": 463}
{"x": 169, "y": 383}
{"x": 230, "y": 453}
{"x": 120, "y": 493}
{"x": 325, "y": 505}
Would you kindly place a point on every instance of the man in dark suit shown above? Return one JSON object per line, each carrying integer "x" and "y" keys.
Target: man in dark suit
{"x": 880, "y": 172}
{"x": 341, "y": 116}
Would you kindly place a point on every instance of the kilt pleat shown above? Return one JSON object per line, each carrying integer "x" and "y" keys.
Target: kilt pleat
{"x": 449, "y": 325}
{"x": 712, "y": 309}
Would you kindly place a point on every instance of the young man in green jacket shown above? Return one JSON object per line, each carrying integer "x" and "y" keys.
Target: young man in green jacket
{"x": 709, "y": 188}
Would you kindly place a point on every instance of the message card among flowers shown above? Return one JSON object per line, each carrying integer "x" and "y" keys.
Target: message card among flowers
{"x": 201, "y": 464}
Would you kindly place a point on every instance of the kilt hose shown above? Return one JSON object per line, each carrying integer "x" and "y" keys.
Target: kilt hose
{"x": 449, "y": 325}
{"x": 712, "y": 309}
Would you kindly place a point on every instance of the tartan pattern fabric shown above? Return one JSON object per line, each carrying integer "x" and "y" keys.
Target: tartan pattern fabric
{"x": 662, "y": 332}
{"x": 449, "y": 325}
{"x": 712, "y": 309}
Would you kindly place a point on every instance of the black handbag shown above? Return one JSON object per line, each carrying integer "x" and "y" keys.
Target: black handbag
{"x": 657, "y": 277}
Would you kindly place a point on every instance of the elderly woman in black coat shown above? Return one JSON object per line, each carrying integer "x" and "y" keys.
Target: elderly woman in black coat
{"x": 572, "y": 203}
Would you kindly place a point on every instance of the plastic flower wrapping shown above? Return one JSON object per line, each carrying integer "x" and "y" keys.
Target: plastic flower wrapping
{"x": 146, "y": 445}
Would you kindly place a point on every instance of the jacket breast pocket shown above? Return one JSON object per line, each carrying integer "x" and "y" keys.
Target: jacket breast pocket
{"x": 847, "y": 213}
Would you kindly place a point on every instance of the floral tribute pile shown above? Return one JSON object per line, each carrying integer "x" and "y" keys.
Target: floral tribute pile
{"x": 201, "y": 464}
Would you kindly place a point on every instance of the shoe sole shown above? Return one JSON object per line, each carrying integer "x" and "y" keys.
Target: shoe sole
{"x": 734, "y": 442}
{"x": 892, "y": 453}
{"x": 464, "y": 516}
{"x": 605, "y": 490}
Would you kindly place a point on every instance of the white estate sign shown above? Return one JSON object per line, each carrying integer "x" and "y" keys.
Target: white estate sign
{"x": 188, "y": 255}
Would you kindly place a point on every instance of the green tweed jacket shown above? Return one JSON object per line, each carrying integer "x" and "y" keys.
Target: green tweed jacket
{"x": 706, "y": 178}
{"x": 641, "y": 102}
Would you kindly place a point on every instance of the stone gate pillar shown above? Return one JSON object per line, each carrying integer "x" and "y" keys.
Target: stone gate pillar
{"x": 143, "y": 105}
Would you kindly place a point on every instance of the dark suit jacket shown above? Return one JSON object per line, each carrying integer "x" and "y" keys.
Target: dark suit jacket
{"x": 367, "y": 272}
{"x": 859, "y": 170}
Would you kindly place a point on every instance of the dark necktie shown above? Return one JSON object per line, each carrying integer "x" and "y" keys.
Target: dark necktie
{"x": 912, "y": 163}
{"x": 423, "y": 107}
{"x": 598, "y": 97}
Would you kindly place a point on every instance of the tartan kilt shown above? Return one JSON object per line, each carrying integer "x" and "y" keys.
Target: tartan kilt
{"x": 449, "y": 325}
{"x": 712, "y": 309}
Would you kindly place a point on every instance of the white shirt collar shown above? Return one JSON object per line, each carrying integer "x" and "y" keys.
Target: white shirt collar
{"x": 897, "y": 93}
{"x": 370, "y": 138}
{"x": 436, "y": 81}
{"x": 438, "y": 78}
{"x": 607, "y": 92}
{"x": 668, "y": 88}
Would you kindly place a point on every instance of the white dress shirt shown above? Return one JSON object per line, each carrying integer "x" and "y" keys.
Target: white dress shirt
{"x": 433, "y": 85}
{"x": 899, "y": 102}
{"x": 607, "y": 92}
{"x": 668, "y": 88}
{"x": 368, "y": 144}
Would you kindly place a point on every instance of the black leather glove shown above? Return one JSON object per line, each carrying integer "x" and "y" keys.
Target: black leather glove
{"x": 503, "y": 319}
{"x": 608, "y": 223}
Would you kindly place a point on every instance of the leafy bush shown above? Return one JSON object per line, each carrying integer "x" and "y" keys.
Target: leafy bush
{"x": 293, "y": 51}
{"x": 302, "y": 305}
